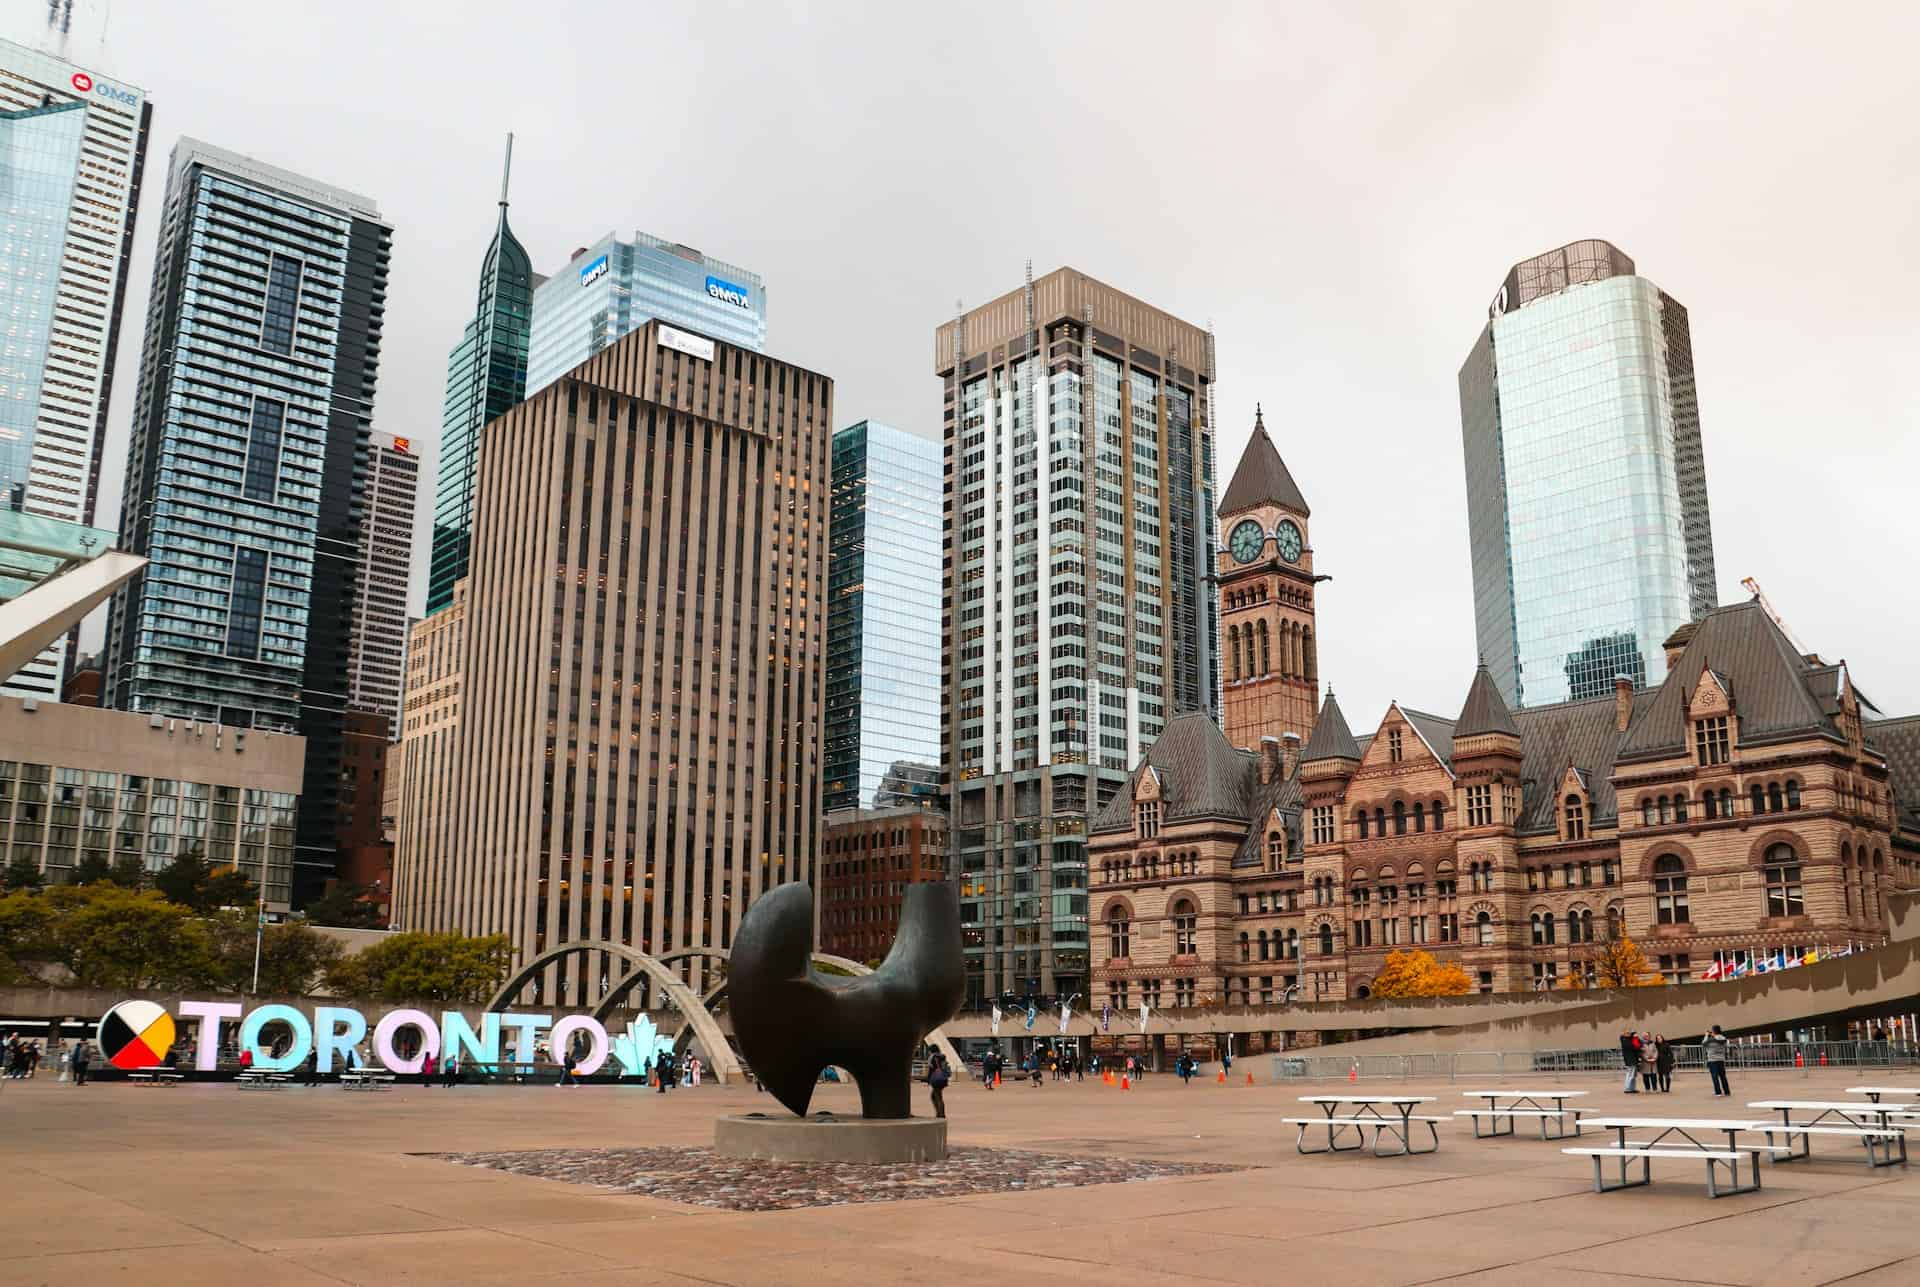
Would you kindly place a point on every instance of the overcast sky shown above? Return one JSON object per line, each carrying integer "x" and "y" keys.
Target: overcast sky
{"x": 1337, "y": 189}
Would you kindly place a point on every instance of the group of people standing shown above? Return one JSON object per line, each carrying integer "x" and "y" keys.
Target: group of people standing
{"x": 1649, "y": 1059}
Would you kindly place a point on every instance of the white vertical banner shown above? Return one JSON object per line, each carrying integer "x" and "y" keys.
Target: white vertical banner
{"x": 1143, "y": 1017}
{"x": 1064, "y": 1013}
{"x": 995, "y": 1020}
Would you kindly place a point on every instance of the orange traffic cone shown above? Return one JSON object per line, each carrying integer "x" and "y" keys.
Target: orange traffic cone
{"x": 1249, "y": 1079}
{"x": 1123, "y": 1082}
{"x": 1823, "y": 1059}
{"x": 1108, "y": 1077}
{"x": 1799, "y": 1060}
{"x": 1223, "y": 1076}
{"x": 1353, "y": 1073}
{"x": 996, "y": 1081}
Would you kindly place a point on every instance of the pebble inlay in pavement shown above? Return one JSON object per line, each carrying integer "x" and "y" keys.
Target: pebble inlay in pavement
{"x": 699, "y": 1177}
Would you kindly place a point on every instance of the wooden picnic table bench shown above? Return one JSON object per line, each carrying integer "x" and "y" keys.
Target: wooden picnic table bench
{"x": 1365, "y": 1114}
{"x": 1874, "y": 1092}
{"x": 1523, "y": 1103}
{"x": 1871, "y": 1124}
{"x": 261, "y": 1079}
{"x": 156, "y": 1075}
{"x": 367, "y": 1079}
{"x": 1681, "y": 1131}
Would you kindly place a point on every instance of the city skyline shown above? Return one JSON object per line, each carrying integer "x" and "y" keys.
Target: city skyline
{"x": 1298, "y": 291}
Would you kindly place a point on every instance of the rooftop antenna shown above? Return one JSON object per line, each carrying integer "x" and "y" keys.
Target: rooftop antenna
{"x": 506, "y": 170}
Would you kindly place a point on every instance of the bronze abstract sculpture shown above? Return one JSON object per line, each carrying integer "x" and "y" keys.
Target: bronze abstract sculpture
{"x": 793, "y": 1021}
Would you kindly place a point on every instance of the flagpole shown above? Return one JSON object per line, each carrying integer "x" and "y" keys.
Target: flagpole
{"x": 259, "y": 923}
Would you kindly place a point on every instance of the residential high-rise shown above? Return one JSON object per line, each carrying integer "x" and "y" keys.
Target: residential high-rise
{"x": 73, "y": 149}
{"x": 637, "y": 745}
{"x": 1079, "y": 614}
{"x": 422, "y": 760}
{"x": 377, "y": 637}
{"x": 1586, "y": 482}
{"x": 248, "y": 457}
{"x": 486, "y": 374}
{"x": 883, "y": 620}
{"x": 868, "y": 857}
{"x": 613, "y": 287}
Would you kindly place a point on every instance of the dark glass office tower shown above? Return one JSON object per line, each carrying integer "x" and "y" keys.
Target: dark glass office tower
{"x": 486, "y": 376}
{"x": 1586, "y": 483}
{"x": 883, "y": 621}
{"x": 246, "y": 466}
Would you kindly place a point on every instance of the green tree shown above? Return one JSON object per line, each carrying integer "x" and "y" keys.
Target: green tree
{"x": 25, "y": 945}
{"x": 23, "y": 873}
{"x": 418, "y": 966}
{"x": 191, "y": 881}
{"x": 293, "y": 956}
{"x": 109, "y": 937}
{"x": 345, "y": 905}
{"x": 91, "y": 870}
{"x": 128, "y": 872}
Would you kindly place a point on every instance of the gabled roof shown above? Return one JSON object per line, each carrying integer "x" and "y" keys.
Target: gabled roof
{"x": 1201, "y": 776}
{"x": 1899, "y": 741}
{"x": 1436, "y": 731}
{"x": 1262, "y": 478}
{"x": 1332, "y": 739}
{"x": 1780, "y": 694}
{"x": 1268, "y": 797}
{"x": 1485, "y": 711}
{"x": 1580, "y": 735}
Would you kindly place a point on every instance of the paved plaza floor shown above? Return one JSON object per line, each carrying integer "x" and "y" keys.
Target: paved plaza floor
{"x": 208, "y": 1185}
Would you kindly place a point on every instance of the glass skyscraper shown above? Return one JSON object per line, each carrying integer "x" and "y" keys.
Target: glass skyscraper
{"x": 486, "y": 376}
{"x": 1586, "y": 483}
{"x": 73, "y": 147}
{"x": 614, "y": 287}
{"x": 248, "y": 458}
{"x": 883, "y": 620}
{"x": 1080, "y": 615}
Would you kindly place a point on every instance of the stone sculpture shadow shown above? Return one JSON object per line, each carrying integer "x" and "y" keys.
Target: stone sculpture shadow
{"x": 792, "y": 1021}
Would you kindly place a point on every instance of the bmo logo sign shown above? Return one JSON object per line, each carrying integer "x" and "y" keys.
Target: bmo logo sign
{"x": 85, "y": 84}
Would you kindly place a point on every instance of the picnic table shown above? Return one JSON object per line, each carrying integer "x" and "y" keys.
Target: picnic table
{"x": 1512, "y": 1103}
{"x": 1871, "y": 1124}
{"x": 1681, "y": 1131}
{"x": 156, "y": 1075}
{"x": 260, "y": 1079}
{"x": 1874, "y": 1092}
{"x": 1384, "y": 1115}
{"x": 366, "y": 1079}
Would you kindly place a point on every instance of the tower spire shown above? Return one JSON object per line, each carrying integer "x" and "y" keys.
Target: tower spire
{"x": 506, "y": 170}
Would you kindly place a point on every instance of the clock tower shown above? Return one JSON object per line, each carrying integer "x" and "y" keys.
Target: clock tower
{"x": 1269, "y": 645}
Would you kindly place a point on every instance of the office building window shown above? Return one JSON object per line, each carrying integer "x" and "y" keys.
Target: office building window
{"x": 1710, "y": 740}
{"x": 283, "y": 302}
{"x": 262, "y": 478}
{"x": 244, "y": 605}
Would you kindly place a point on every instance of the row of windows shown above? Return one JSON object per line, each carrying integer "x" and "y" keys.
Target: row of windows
{"x": 1401, "y": 817}
{"x": 1772, "y": 797}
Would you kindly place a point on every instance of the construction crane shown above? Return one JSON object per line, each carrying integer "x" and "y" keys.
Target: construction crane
{"x": 1752, "y": 587}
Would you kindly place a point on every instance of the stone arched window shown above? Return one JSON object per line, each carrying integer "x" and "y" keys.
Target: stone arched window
{"x": 1293, "y": 944}
{"x": 1775, "y": 803}
{"x": 1483, "y": 929}
{"x": 1758, "y": 795}
{"x": 1419, "y": 815}
{"x": 1670, "y": 891}
{"x": 1575, "y": 815}
{"x": 1186, "y": 926}
{"x": 1542, "y": 923}
{"x": 1793, "y": 793}
{"x": 1380, "y": 821}
{"x": 1879, "y": 867}
{"x": 1119, "y": 933}
{"x": 1785, "y": 894}
{"x": 1439, "y": 815}
{"x": 1666, "y": 808}
{"x": 1266, "y": 657}
{"x": 1263, "y": 945}
{"x": 1276, "y": 849}
{"x": 1326, "y": 940}
{"x": 1246, "y": 948}
{"x": 1646, "y": 812}
{"x": 1233, "y": 652}
{"x": 1360, "y": 822}
{"x": 1616, "y": 921}
{"x": 1399, "y": 818}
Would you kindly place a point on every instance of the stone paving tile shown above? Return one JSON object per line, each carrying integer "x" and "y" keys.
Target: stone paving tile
{"x": 700, "y": 1177}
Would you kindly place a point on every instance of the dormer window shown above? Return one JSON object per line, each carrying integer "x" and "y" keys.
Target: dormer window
{"x": 1710, "y": 744}
{"x": 1394, "y": 746}
{"x": 1575, "y": 815}
{"x": 1147, "y": 818}
{"x": 1276, "y": 850}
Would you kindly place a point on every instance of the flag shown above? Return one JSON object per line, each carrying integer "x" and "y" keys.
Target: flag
{"x": 996, "y": 1021}
{"x": 1712, "y": 972}
{"x": 1033, "y": 1012}
{"x": 1742, "y": 969}
{"x": 1143, "y": 1016}
{"x": 1106, "y": 1017}
{"x": 1812, "y": 957}
{"x": 1064, "y": 1012}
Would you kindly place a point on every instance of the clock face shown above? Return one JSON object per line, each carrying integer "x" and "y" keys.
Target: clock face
{"x": 1287, "y": 537}
{"x": 1247, "y": 541}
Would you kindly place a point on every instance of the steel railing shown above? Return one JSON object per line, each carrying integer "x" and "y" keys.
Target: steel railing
{"x": 1453, "y": 1066}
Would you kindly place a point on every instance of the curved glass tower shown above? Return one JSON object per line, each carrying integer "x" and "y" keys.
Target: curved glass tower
{"x": 486, "y": 377}
{"x": 1586, "y": 484}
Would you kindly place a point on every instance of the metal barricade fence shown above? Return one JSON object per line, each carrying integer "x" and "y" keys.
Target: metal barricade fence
{"x": 1478, "y": 1065}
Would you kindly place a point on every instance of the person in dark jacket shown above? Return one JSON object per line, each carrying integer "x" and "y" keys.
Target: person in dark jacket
{"x": 82, "y": 1056}
{"x": 1630, "y": 1054}
{"x": 938, "y": 1075}
{"x": 1663, "y": 1063}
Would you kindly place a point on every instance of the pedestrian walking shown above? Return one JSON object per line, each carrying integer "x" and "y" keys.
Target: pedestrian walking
{"x": 1715, "y": 1045}
{"x": 450, "y": 1072}
{"x": 694, "y": 1069}
{"x": 1630, "y": 1055}
{"x": 427, "y": 1069}
{"x": 938, "y": 1075}
{"x": 566, "y": 1071}
{"x": 312, "y": 1068}
{"x": 1663, "y": 1063}
{"x": 82, "y": 1056}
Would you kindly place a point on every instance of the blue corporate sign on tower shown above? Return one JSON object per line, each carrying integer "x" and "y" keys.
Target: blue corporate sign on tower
{"x": 594, "y": 271}
{"x": 727, "y": 293}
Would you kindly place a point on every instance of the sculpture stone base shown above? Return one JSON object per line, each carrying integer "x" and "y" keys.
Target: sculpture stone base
{"x": 832, "y": 1139}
